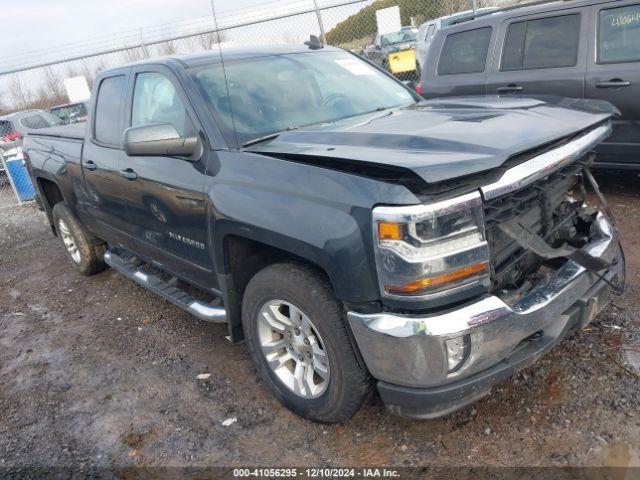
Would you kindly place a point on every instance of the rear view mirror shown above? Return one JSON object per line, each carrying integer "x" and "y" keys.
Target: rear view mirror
{"x": 159, "y": 139}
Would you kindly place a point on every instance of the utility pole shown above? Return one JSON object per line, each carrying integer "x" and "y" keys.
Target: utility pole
{"x": 475, "y": 6}
{"x": 320, "y": 24}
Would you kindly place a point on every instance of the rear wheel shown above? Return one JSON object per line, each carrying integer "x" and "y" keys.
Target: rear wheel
{"x": 86, "y": 255}
{"x": 299, "y": 342}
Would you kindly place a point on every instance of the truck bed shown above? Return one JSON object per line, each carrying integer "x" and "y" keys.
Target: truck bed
{"x": 74, "y": 131}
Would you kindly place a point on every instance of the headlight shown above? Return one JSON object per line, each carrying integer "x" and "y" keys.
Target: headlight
{"x": 427, "y": 251}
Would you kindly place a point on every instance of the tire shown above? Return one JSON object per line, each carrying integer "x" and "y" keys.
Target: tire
{"x": 87, "y": 256}
{"x": 348, "y": 382}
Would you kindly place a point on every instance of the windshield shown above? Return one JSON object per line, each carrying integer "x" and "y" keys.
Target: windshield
{"x": 403, "y": 36}
{"x": 271, "y": 94}
{"x": 70, "y": 112}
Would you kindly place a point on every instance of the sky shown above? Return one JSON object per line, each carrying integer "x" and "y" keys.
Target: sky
{"x": 48, "y": 29}
{"x": 41, "y": 37}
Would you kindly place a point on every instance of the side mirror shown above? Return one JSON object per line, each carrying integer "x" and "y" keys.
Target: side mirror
{"x": 158, "y": 140}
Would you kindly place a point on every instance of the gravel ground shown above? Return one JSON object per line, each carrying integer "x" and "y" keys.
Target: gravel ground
{"x": 99, "y": 372}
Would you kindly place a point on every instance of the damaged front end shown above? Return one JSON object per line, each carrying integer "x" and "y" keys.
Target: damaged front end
{"x": 532, "y": 231}
{"x": 554, "y": 261}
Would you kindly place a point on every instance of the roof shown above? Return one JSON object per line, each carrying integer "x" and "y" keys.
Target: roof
{"x": 71, "y": 104}
{"x": 528, "y": 9}
{"x": 460, "y": 15}
{"x": 232, "y": 53}
{"x": 20, "y": 114}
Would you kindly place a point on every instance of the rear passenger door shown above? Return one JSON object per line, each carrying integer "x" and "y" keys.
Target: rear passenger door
{"x": 614, "y": 75}
{"x": 541, "y": 54}
{"x": 461, "y": 65}
{"x": 101, "y": 158}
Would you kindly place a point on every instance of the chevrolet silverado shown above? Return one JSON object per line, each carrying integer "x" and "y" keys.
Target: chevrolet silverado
{"x": 352, "y": 233}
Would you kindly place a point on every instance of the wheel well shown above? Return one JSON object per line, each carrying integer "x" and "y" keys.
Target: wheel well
{"x": 247, "y": 257}
{"x": 51, "y": 192}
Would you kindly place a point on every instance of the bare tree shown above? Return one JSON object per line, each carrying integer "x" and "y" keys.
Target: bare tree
{"x": 72, "y": 72}
{"x": 19, "y": 93}
{"x": 52, "y": 83}
{"x": 454, "y": 6}
{"x": 170, "y": 47}
{"x": 4, "y": 109}
{"x": 44, "y": 98}
{"x": 135, "y": 54}
{"x": 91, "y": 73}
{"x": 209, "y": 39}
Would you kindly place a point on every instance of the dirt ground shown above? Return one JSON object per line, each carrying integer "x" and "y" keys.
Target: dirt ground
{"x": 99, "y": 372}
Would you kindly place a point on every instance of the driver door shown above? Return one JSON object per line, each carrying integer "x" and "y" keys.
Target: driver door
{"x": 164, "y": 194}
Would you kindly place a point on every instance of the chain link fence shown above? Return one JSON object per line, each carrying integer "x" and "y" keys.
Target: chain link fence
{"x": 35, "y": 94}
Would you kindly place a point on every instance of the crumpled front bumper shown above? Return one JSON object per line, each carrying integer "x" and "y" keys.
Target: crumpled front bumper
{"x": 407, "y": 354}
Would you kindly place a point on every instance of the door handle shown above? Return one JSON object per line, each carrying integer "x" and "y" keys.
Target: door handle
{"x": 509, "y": 89}
{"x": 615, "y": 83}
{"x": 89, "y": 165}
{"x": 129, "y": 174}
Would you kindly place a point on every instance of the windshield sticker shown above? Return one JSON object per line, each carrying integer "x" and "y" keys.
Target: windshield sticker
{"x": 355, "y": 66}
{"x": 621, "y": 21}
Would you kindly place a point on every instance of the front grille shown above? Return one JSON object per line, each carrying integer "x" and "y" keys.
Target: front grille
{"x": 542, "y": 208}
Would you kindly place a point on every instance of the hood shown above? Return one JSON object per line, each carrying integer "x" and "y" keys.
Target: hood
{"x": 439, "y": 140}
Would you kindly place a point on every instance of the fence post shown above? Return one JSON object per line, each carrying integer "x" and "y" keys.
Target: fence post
{"x": 8, "y": 175}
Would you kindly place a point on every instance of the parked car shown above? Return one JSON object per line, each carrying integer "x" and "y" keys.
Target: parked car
{"x": 15, "y": 125}
{"x": 429, "y": 28}
{"x": 395, "y": 52}
{"x": 343, "y": 227}
{"x": 579, "y": 48}
{"x": 70, "y": 112}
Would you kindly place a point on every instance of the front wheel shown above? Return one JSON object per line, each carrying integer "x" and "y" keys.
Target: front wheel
{"x": 299, "y": 342}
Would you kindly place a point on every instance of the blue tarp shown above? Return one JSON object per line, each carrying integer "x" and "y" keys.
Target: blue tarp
{"x": 20, "y": 179}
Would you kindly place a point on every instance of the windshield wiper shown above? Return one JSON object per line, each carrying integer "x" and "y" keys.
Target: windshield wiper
{"x": 271, "y": 136}
{"x": 264, "y": 138}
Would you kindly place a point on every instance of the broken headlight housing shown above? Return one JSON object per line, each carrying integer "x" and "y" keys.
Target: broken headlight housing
{"x": 431, "y": 251}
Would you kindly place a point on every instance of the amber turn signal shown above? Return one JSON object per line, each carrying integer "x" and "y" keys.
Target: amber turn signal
{"x": 389, "y": 231}
{"x": 430, "y": 282}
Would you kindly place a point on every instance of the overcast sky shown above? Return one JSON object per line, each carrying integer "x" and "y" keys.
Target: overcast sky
{"x": 30, "y": 25}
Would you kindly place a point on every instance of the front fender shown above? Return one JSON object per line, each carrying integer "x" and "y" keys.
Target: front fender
{"x": 321, "y": 215}
{"x": 340, "y": 250}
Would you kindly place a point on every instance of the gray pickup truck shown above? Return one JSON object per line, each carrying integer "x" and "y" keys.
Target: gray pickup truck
{"x": 352, "y": 233}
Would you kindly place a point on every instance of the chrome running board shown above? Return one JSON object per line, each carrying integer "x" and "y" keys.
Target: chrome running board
{"x": 131, "y": 267}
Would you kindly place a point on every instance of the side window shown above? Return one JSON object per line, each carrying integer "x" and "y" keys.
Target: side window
{"x": 156, "y": 100}
{"x": 108, "y": 117}
{"x": 34, "y": 122}
{"x": 6, "y": 129}
{"x": 542, "y": 43}
{"x": 465, "y": 52}
{"x": 619, "y": 35}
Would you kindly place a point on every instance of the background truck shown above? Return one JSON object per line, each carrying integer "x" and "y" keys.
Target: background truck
{"x": 353, "y": 234}
{"x": 395, "y": 52}
{"x": 578, "y": 48}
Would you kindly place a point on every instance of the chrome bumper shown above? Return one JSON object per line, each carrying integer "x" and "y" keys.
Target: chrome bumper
{"x": 409, "y": 350}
